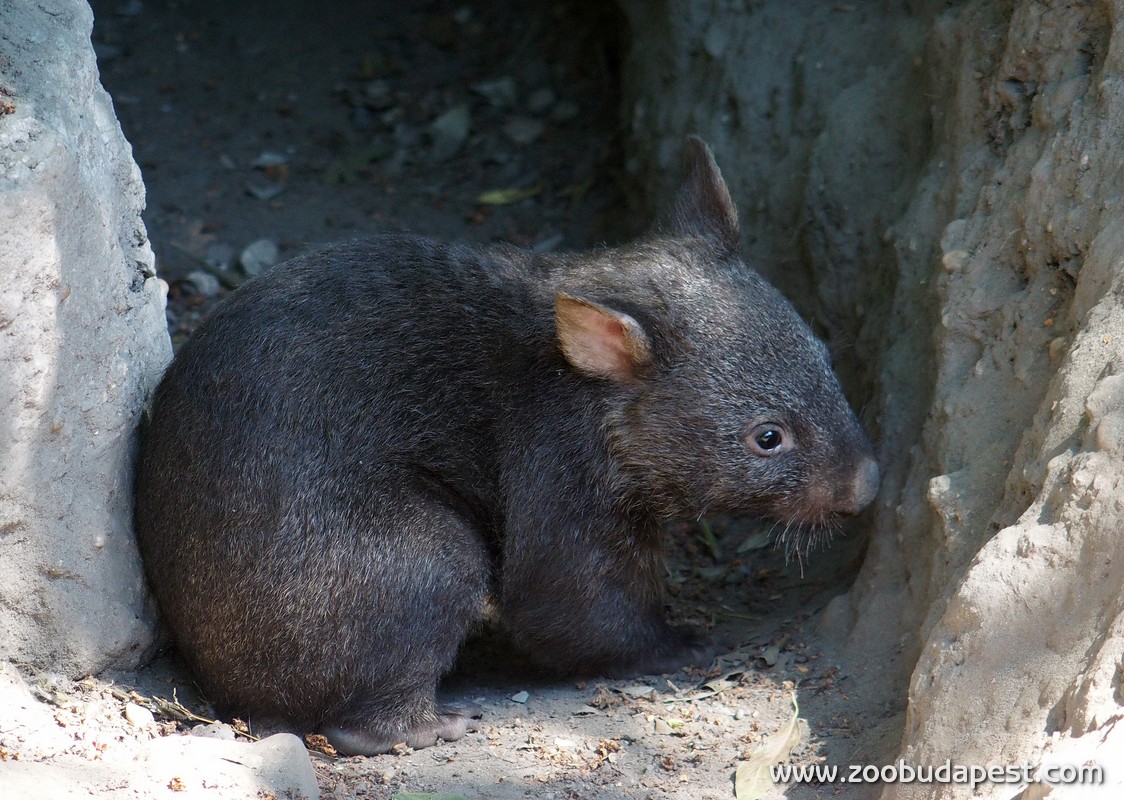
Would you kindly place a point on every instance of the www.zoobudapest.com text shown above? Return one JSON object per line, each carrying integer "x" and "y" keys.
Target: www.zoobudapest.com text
{"x": 972, "y": 775}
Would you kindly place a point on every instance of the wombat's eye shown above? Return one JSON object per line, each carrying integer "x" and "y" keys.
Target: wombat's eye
{"x": 768, "y": 439}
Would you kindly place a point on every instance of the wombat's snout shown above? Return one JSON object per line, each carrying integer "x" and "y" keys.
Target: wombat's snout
{"x": 864, "y": 485}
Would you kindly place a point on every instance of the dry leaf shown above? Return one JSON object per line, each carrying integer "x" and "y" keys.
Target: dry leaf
{"x": 755, "y": 776}
{"x": 755, "y": 541}
{"x": 639, "y": 690}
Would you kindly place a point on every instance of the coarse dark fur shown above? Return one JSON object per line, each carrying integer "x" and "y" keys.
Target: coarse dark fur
{"x": 363, "y": 443}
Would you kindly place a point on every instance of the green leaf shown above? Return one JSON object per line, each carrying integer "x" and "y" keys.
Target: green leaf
{"x": 755, "y": 777}
{"x": 505, "y": 197}
{"x": 710, "y": 540}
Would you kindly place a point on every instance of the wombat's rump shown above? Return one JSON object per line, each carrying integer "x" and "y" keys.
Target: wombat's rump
{"x": 363, "y": 443}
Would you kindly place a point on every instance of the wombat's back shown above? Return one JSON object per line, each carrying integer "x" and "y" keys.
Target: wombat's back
{"x": 313, "y": 393}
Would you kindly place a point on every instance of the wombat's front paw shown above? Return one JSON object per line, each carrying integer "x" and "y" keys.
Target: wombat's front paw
{"x": 452, "y": 722}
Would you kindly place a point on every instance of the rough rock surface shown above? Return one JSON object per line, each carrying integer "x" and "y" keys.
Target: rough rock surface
{"x": 82, "y": 337}
{"x": 49, "y": 750}
{"x": 948, "y": 179}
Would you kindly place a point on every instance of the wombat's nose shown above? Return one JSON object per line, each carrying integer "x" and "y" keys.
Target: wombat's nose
{"x": 864, "y": 486}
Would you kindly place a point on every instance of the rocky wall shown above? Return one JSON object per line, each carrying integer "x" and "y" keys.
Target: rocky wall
{"x": 82, "y": 338}
{"x": 940, "y": 188}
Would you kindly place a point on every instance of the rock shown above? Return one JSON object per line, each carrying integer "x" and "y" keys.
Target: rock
{"x": 57, "y": 750}
{"x": 564, "y": 111}
{"x": 220, "y": 255}
{"x": 523, "y": 130}
{"x": 265, "y": 191}
{"x": 269, "y": 158}
{"x": 258, "y": 256}
{"x": 377, "y": 95}
{"x": 278, "y": 765}
{"x": 520, "y": 697}
{"x": 500, "y": 92}
{"x": 993, "y": 583}
{"x": 139, "y": 716}
{"x": 203, "y": 283}
{"x": 540, "y": 100}
{"x": 449, "y": 132}
{"x": 215, "y": 730}
{"x": 83, "y": 339}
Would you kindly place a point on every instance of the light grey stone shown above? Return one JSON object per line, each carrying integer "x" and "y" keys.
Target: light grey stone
{"x": 449, "y": 132}
{"x": 82, "y": 340}
{"x": 204, "y": 283}
{"x": 259, "y": 255}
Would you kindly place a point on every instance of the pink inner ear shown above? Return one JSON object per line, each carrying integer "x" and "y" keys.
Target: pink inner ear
{"x": 599, "y": 341}
{"x": 613, "y": 345}
{"x": 602, "y": 342}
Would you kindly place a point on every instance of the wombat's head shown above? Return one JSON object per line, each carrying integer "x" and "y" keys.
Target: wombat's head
{"x": 727, "y": 399}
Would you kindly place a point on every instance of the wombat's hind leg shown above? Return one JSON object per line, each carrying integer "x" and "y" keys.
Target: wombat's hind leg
{"x": 447, "y": 723}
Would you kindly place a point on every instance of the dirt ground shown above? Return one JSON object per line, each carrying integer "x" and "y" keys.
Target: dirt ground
{"x": 261, "y": 134}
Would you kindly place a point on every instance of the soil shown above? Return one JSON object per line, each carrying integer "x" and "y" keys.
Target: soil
{"x": 253, "y": 122}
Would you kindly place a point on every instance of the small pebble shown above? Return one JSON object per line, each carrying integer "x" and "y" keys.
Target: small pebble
{"x": 362, "y": 118}
{"x": 138, "y": 716}
{"x": 520, "y": 697}
{"x": 220, "y": 254}
{"x": 523, "y": 130}
{"x": 258, "y": 256}
{"x": 204, "y": 283}
{"x": 265, "y": 192}
{"x": 564, "y": 111}
{"x": 540, "y": 100}
{"x": 214, "y": 730}
{"x": 449, "y": 132}
{"x": 500, "y": 92}
{"x": 269, "y": 158}
{"x": 377, "y": 94}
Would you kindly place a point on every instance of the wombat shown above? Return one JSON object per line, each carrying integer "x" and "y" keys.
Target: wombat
{"x": 362, "y": 445}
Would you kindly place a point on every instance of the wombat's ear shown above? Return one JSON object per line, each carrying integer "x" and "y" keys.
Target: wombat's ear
{"x": 600, "y": 341}
{"x": 703, "y": 206}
